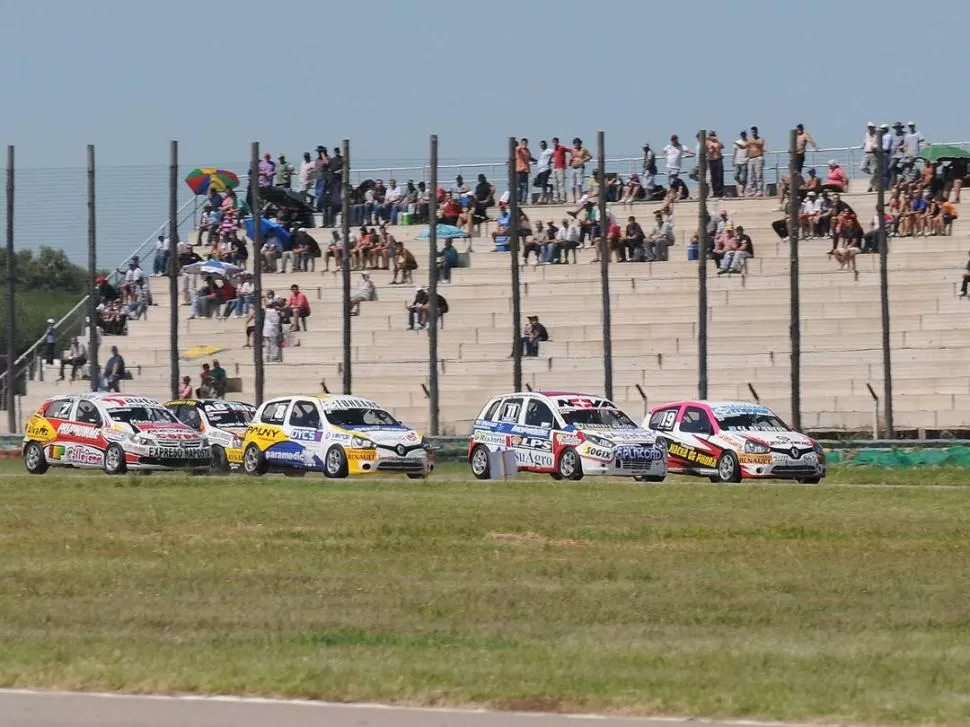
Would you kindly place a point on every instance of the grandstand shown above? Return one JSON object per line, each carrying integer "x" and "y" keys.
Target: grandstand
{"x": 654, "y": 331}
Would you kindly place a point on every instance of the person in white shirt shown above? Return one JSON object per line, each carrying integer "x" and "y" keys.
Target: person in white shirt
{"x": 567, "y": 239}
{"x": 160, "y": 265}
{"x": 392, "y": 202}
{"x": 740, "y": 162}
{"x": 674, "y": 153}
{"x": 133, "y": 278}
{"x": 308, "y": 174}
{"x": 811, "y": 206}
{"x": 913, "y": 140}
{"x": 544, "y": 172}
{"x": 272, "y": 330}
{"x": 870, "y": 145}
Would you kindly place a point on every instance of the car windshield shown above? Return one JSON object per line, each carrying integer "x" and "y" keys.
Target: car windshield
{"x": 143, "y": 414}
{"x": 752, "y": 421}
{"x": 229, "y": 415}
{"x": 611, "y": 418}
{"x": 361, "y": 418}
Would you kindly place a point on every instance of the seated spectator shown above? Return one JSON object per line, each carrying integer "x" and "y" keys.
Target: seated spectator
{"x": 812, "y": 184}
{"x": 851, "y": 243}
{"x": 966, "y": 280}
{"x": 204, "y": 299}
{"x": 365, "y": 291}
{"x": 503, "y": 223}
{"x": 405, "y": 265}
{"x": 633, "y": 238}
{"x": 76, "y": 358}
{"x": 534, "y": 334}
{"x": 209, "y": 223}
{"x": 742, "y": 250}
{"x": 133, "y": 277}
{"x": 138, "y": 301}
{"x": 112, "y": 318}
{"x": 298, "y": 308}
{"x": 416, "y": 308}
{"x": 185, "y": 388}
{"x": 360, "y": 254}
{"x": 305, "y": 251}
{"x": 533, "y": 245}
{"x": 447, "y": 259}
{"x": 225, "y": 292}
{"x": 205, "y": 390}
{"x": 660, "y": 239}
{"x": 422, "y": 204}
{"x": 948, "y": 213}
{"x": 268, "y": 255}
{"x": 105, "y": 290}
{"x": 335, "y": 251}
{"x": 724, "y": 246}
{"x": 567, "y": 241}
{"x": 449, "y": 211}
{"x": 810, "y": 207}
{"x": 384, "y": 250}
{"x": 548, "y": 244}
{"x": 871, "y": 238}
{"x": 632, "y": 191}
{"x": 836, "y": 181}
{"x": 218, "y": 380}
{"x": 241, "y": 304}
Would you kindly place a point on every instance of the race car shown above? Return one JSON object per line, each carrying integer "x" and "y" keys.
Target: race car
{"x": 111, "y": 431}
{"x": 566, "y": 435}
{"x": 223, "y": 422}
{"x": 733, "y": 440}
{"x": 336, "y": 435}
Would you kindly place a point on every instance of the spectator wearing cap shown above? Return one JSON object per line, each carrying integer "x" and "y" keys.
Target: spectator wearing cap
{"x": 50, "y": 342}
{"x": 810, "y": 208}
{"x": 870, "y": 145}
{"x": 812, "y": 184}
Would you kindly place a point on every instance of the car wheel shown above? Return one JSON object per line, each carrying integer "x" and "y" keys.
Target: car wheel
{"x": 114, "y": 460}
{"x": 809, "y": 480}
{"x": 479, "y": 462}
{"x": 254, "y": 461}
{"x": 556, "y": 476}
{"x": 335, "y": 464}
{"x": 417, "y": 477}
{"x": 34, "y": 459}
{"x": 220, "y": 463}
{"x": 728, "y": 469}
{"x": 570, "y": 467}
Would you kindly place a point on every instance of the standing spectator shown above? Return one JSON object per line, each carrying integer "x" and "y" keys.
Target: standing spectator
{"x": 284, "y": 172}
{"x": 912, "y": 141}
{"x": 870, "y": 145}
{"x": 523, "y": 160}
{"x": 267, "y": 170}
{"x": 77, "y": 357}
{"x": 306, "y": 176}
{"x": 160, "y": 265}
{"x": 544, "y": 172}
{"x": 966, "y": 280}
{"x": 649, "y": 169}
{"x": 114, "y": 370}
{"x": 579, "y": 156}
{"x": 756, "y": 164}
{"x": 219, "y": 380}
{"x": 321, "y": 169}
{"x": 741, "y": 162}
{"x": 715, "y": 164}
{"x": 674, "y": 153}
{"x": 559, "y": 153}
{"x": 185, "y": 388}
{"x": 50, "y": 342}
{"x": 272, "y": 330}
{"x": 802, "y": 140}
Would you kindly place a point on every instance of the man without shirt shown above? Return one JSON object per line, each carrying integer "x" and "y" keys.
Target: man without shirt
{"x": 802, "y": 140}
{"x": 756, "y": 164}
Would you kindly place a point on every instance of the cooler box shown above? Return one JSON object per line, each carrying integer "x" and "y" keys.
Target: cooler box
{"x": 404, "y": 218}
{"x": 692, "y": 252}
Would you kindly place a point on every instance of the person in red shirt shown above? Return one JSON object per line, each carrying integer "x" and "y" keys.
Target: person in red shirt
{"x": 559, "y": 153}
{"x": 299, "y": 307}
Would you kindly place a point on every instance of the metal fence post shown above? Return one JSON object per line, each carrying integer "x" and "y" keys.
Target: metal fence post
{"x": 433, "y": 296}
{"x": 795, "y": 324}
{"x": 605, "y": 269}
{"x": 95, "y": 373}
{"x": 702, "y": 219}
{"x": 11, "y": 301}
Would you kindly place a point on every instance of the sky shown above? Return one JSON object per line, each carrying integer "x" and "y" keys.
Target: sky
{"x": 130, "y": 75}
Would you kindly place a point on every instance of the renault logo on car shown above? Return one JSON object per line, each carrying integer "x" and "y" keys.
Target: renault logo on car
{"x": 794, "y": 452}
{"x": 401, "y": 450}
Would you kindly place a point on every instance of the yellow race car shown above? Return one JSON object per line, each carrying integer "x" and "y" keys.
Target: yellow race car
{"x": 336, "y": 435}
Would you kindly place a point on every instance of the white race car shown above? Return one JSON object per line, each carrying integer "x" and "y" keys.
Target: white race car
{"x": 566, "y": 435}
{"x": 223, "y": 422}
{"x": 114, "y": 431}
{"x": 733, "y": 440}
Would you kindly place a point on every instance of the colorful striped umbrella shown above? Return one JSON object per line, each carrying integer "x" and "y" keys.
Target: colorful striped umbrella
{"x": 202, "y": 179}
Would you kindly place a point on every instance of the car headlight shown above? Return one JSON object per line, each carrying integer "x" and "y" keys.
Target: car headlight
{"x": 143, "y": 439}
{"x": 755, "y": 448}
{"x": 361, "y": 443}
{"x": 818, "y": 449}
{"x": 235, "y": 442}
{"x": 426, "y": 445}
{"x": 598, "y": 441}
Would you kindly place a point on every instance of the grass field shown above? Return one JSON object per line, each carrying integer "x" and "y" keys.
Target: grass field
{"x": 823, "y": 603}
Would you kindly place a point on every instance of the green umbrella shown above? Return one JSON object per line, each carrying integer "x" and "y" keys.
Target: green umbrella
{"x": 939, "y": 152}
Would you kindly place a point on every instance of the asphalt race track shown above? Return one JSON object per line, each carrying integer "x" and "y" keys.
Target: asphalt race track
{"x": 25, "y": 708}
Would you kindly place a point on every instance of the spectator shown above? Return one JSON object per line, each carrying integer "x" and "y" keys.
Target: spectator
{"x": 661, "y": 238}
{"x": 114, "y": 370}
{"x": 204, "y": 299}
{"x": 836, "y": 181}
{"x": 535, "y": 333}
{"x": 306, "y": 176}
{"x": 740, "y": 248}
{"x": 756, "y": 164}
{"x": 649, "y": 168}
{"x": 306, "y": 250}
{"x": 133, "y": 277}
{"x": 579, "y": 157}
{"x": 241, "y": 304}
{"x": 392, "y": 202}
{"x": 802, "y": 140}
{"x": 544, "y": 172}
{"x": 321, "y": 170}
{"x": 417, "y": 307}
{"x": 913, "y": 141}
{"x": 76, "y": 358}
{"x": 851, "y": 244}
{"x": 741, "y": 162}
{"x": 284, "y": 173}
{"x": 567, "y": 240}
{"x": 484, "y": 198}
{"x": 533, "y": 245}
{"x": 138, "y": 303}
{"x": 503, "y": 223}
{"x": 50, "y": 342}
{"x": 335, "y": 251}
{"x": 807, "y": 214}
{"x": 365, "y": 291}
{"x": 160, "y": 265}
{"x": 447, "y": 260}
{"x": 870, "y": 145}
{"x": 298, "y": 307}
{"x": 812, "y": 184}
{"x": 219, "y": 380}
{"x": 185, "y": 388}
{"x": 674, "y": 153}
{"x": 632, "y": 191}
{"x": 715, "y": 164}
{"x": 405, "y": 265}
{"x": 267, "y": 170}
{"x": 633, "y": 238}
{"x": 559, "y": 153}
{"x": 966, "y": 280}
{"x": 871, "y": 238}
{"x": 948, "y": 213}
{"x": 205, "y": 383}
{"x": 272, "y": 330}
{"x": 523, "y": 160}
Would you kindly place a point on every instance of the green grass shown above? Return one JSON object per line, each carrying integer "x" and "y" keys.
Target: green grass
{"x": 767, "y": 602}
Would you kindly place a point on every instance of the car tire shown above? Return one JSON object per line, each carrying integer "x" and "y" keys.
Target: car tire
{"x": 569, "y": 466}
{"x": 556, "y": 476}
{"x": 335, "y": 463}
{"x": 649, "y": 478}
{"x": 809, "y": 480}
{"x": 254, "y": 461}
{"x": 417, "y": 477}
{"x": 479, "y": 463}
{"x": 728, "y": 469}
{"x": 114, "y": 460}
{"x": 220, "y": 462}
{"x": 34, "y": 459}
